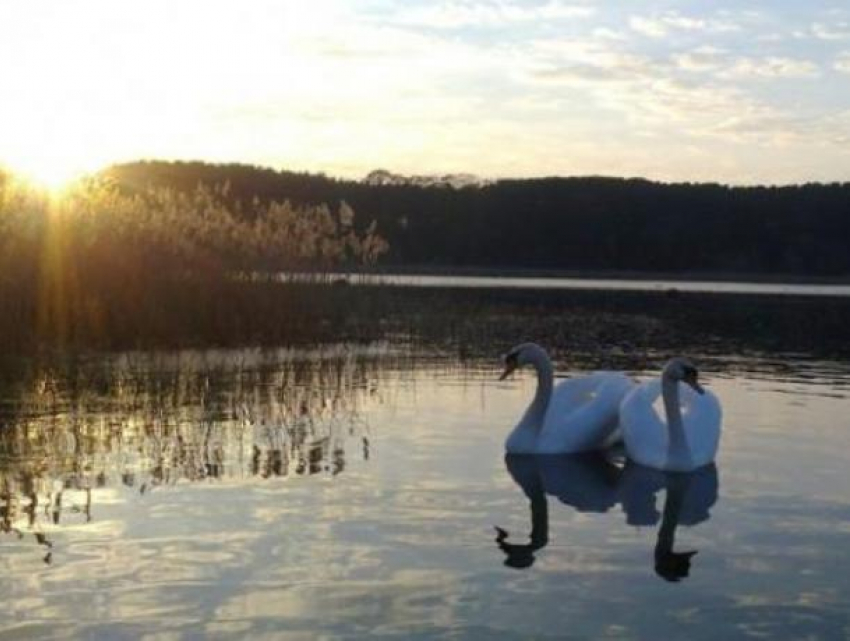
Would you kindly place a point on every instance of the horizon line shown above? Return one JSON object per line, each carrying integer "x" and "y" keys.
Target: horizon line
{"x": 479, "y": 179}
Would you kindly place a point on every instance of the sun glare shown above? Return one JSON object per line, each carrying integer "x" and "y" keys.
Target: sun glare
{"x": 53, "y": 175}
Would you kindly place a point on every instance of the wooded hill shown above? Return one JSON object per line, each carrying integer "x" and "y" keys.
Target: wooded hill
{"x": 592, "y": 224}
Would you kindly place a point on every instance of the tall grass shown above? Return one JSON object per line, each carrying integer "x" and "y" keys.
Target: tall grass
{"x": 98, "y": 267}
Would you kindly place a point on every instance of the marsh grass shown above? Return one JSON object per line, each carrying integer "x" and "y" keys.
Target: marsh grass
{"x": 97, "y": 267}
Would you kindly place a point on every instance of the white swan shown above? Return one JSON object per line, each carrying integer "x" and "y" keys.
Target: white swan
{"x": 688, "y": 436}
{"x": 576, "y": 415}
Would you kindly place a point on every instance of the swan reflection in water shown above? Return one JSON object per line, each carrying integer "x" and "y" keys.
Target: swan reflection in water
{"x": 593, "y": 483}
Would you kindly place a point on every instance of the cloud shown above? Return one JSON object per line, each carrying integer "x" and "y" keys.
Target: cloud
{"x": 604, "y": 33}
{"x": 660, "y": 25}
{"x": 835, "y": 31}
{"x": 701, "y": 59}
{"x": 490, "y": 13}
{"x": 590, "y": 73}
{"x": 653, "y": 97}
{"x": 585, "y": 61}
{"x": 648, "y": 26}
{"x": 771, "y": 67}
{"x": 696, "y": 106}
{"x": 785, "y": 129}
{"x": 426, "y": 86}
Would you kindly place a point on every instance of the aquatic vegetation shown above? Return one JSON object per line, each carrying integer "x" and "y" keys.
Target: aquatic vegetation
{"x": 97, "y": 266}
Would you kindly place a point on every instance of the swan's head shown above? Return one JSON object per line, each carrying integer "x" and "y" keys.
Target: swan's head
{"x": 521, "y": 355}
{"x": 682, "y": 369}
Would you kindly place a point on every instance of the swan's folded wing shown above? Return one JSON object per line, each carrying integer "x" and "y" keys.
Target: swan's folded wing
{"x": 703, "y": 409}
{"x": 583, "y": 413}
{"x": 644, "y": 433}
{"x": 702, "y": 416}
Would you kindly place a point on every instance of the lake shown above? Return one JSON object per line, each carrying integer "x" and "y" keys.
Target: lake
{"x": 600, "y": 284}
{"x": 359, "y": 491}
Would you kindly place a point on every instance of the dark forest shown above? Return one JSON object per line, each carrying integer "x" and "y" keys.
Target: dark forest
{"x": 572, "y": 224}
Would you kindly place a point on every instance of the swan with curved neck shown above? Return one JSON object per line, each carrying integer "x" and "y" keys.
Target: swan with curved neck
{"x": 688, "y": 436}
{"x": 576, "y": 415}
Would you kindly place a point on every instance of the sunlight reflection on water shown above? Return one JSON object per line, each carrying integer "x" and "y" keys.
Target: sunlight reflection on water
{"x": 355, "y": 492}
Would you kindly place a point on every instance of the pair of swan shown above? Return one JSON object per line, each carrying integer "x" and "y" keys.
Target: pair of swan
{"x": 591, "y": 412}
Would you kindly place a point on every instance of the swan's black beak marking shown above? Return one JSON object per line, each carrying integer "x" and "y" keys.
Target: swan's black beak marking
{"x": 510, "y": 365}
{"x": 691, "y": 379}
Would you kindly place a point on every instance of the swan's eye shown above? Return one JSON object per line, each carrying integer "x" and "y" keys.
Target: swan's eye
{"x": 689, "y": 374}
{"x": 511, "y": 359}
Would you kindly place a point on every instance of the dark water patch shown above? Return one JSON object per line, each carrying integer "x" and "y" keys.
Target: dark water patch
{"x": 622, "y": 326}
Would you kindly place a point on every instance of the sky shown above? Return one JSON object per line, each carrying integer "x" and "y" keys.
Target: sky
{"x": 739, "y": 92}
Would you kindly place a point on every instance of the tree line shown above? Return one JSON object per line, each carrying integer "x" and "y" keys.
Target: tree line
{"x": 593, "y": 223}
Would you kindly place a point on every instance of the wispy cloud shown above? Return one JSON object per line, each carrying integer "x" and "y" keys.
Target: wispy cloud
{"x": 786, "y": 129}
{"x": 701, "y": 59}
{"x": 771, "y": 67}
{"x": 492, "y": 86}
{"x": 835, "y": 31}
{"x": 590, "y": 60}
{"x": 660, "y": 25}
{"x": 490, "y": 13}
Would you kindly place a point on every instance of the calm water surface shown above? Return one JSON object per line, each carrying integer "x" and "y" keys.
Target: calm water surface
{"x": 364, "y": 492}
{"x": 612, "y": 284}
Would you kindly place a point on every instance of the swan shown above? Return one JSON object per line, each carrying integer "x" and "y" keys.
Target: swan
{"x": 578, "y": 414}
{"x": 688, "y": 435}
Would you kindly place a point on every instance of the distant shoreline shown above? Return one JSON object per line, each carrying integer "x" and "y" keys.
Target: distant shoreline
{"x": 685, "y": 277}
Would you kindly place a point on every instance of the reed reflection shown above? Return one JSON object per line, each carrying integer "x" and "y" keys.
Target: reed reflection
{"x": 136, "y": 424}
{"x": 595, "y": 484}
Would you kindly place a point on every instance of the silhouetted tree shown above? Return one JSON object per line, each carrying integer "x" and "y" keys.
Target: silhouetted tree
{"x": 591, "y": 223}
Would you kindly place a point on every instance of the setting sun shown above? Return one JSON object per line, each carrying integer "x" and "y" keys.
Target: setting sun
{"x": 48, "y": 173}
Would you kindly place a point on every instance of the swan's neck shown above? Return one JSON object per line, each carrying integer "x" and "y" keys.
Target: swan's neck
{"x": 545, "y": 375}
{"x": 678, "y": 453}
{"x": 523, "y": 438}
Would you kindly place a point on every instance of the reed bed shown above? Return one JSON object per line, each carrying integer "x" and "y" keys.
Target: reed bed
{"x": 100, "y": 268}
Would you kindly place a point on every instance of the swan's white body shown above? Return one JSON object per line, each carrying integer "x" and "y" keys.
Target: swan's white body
{"x": 685, "y": 439}
{"x": 577, "y": 415}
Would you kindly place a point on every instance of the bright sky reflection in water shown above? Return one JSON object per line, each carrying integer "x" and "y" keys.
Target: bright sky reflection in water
{"x": 235, "y": 494}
